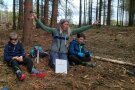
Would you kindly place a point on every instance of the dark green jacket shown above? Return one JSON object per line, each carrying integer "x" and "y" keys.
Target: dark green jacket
{"x": 59, "y": 40}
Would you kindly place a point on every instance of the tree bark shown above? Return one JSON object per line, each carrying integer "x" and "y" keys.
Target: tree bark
{"x": 123, "y": 13}
{"x": 28, "y": 25}
{"x": 84, "y": 19}
{"x": 91, "y": 12}
{"x": 66, "y": 10}
{"x": 14, "y": 15}
{"x": 54, "y": 13}
{"x": 131, "y": 13}
{"x": 100, "y": 11}
{"x": 109, "y": 13}
{"x": 20, "y": 19}
{"x": 118, "y": 13}
{"x": 80, "y": 14}
{"x": 97, "y": 11}
{"x": 104, "y": 16}
{"x": 42, "y": 10}
{"x": 46, "y": 10}
{"x": 37, "y": 8}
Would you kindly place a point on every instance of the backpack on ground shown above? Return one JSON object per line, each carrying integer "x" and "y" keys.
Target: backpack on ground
{"x": 34, "y": 51}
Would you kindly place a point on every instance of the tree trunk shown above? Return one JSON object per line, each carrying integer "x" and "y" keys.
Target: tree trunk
{"x": 104, "y": 16}
{"x": 118, "y": 13}
{"x": 100, "y": 11}
{"x": 84, "y": 22}
{"x": 20, "y": 19}
{"x": 28, "y": 25}
{"x": 91, "y": 12}
{"x": 54, "y": 13}
{"x": 66, "y": 10}
{"x": 37, "y": 13}
{"x": 134, "y": 12}
{"x": 131, "y": 13}
{"x": 86, "y": 11}
{"x": 14, "y": 15}
{"x": 123, "y": 13}
{"x": 97, "y": 11}
{"x": 109, "y": 13}
{"x": 42, "y": 10}
{"x": 37, "y": 8}
{"x": 80, "y": 14}
{"x": 46, "y": 10}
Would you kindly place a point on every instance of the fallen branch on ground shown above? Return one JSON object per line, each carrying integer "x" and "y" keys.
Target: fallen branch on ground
{"x": 113, "y": 61}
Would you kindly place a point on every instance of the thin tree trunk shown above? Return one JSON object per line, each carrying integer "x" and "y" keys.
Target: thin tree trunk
{"x": 54, "y": 13}
{"x": 123, "y": 13}
{"x": 14, "y": 15}
{"x": 126, "y": 16}
{"x": 28, "y": 25}
{"x": 37, "y": 13}
{"x": 100, "y": 11}
{"x": 134, "y": 12}
{"x": 80, "y": 14}
{"x": 91, "y": 12}
{"x": 46, "y": 10}
{"x": 131, "y": 14}
{"x": 84, "y": 12}
{"x": 42, "y": 10}
{"x": 118, "y": 13}
{"x": 104, "y": 17}
{"x": 97, "y": 11}
{"x": 109, "y": 13}
{"x": 37, "y": 8}
{"x": 66, "y": 10}
{"x": 20, "y": 19}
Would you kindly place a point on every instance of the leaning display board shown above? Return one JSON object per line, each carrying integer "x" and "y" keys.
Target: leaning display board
{"x": 61, "y": 66}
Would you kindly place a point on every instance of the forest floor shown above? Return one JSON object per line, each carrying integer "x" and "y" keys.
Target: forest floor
{"x": 114, "y": 43}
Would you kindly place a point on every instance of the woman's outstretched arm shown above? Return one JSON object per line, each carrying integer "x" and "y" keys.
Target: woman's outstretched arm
{"x": 83, "y": 28}
{"x": 42, "y": 26}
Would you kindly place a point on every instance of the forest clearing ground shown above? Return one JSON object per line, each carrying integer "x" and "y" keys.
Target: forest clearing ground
{"x": 114, "y": 43}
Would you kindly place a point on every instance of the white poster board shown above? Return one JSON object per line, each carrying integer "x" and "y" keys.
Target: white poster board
{"x": 61, "y": 66}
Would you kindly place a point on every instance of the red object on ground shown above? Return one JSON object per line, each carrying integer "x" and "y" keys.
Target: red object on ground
{"x": 40, "y": 75}
{"x": 23, "y": 77}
